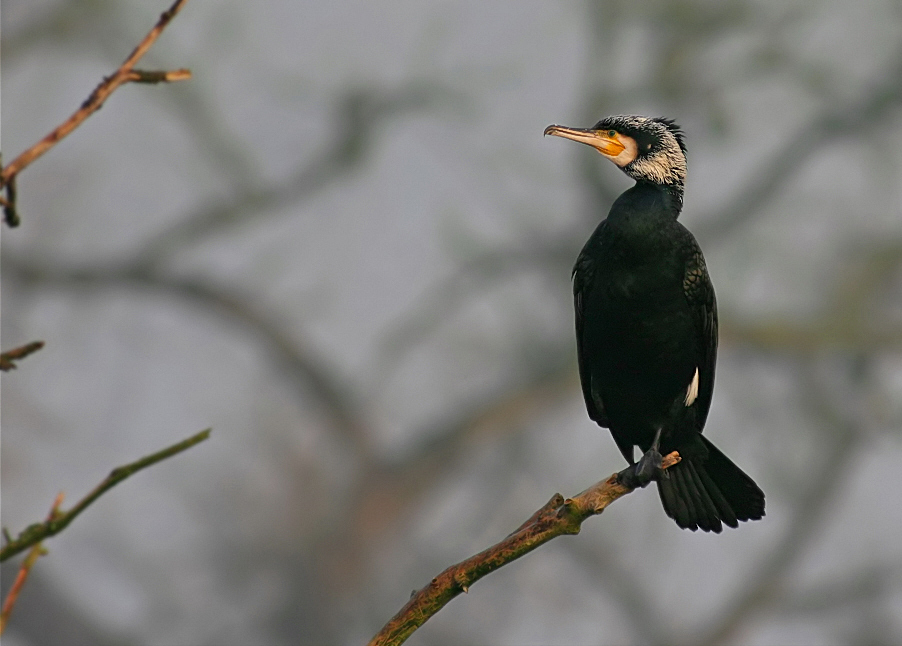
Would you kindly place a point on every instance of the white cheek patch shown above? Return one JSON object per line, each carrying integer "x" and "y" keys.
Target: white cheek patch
{"x": 664, "y": 166}
{"x": 692, "y": 390}
{"x": 628, "y": 154}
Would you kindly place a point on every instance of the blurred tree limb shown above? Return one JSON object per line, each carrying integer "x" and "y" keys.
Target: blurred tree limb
{"x": 331, "y": 392}
{"x": 8, "y": 358}
{"x": 63, "y": 23}
{"x": 359, "y": 113}
{"x": 57, "y": 522}
{"x": 841, "y": 442}
{"x": 125, "y": 74}
{"x": 599, "y": 562}
{"x": 556, "y": 518}
{"x": 871, "y": 105}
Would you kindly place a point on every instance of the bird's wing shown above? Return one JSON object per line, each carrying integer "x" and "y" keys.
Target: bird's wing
{"x": 582, "y": 279}
{"x": 700, "y": 293}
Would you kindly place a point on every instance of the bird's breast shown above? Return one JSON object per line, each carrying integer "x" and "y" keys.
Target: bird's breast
{"x": 638, "y": 327}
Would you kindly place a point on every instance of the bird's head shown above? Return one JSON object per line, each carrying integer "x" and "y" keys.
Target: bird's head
{"x": 649, "y": 149}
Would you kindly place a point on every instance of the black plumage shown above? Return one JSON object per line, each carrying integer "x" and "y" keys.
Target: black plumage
{"x": 646, "y": 328}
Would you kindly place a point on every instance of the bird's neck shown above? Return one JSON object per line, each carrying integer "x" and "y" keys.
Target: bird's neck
{"x": 673, "y": 194}
{"x": 663, "y": 200}
{"x": 640, "y": 221}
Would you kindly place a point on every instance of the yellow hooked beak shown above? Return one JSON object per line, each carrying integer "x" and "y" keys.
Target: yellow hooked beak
{"x": 607, "y": 142}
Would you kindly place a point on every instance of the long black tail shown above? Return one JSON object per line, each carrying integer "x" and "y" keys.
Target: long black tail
{"x": 705, "y": 488}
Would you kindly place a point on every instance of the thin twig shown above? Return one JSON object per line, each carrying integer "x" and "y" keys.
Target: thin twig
{"x": 36, "y": 552}
{"x": 8, "y": 358}
{"x": 10, "y": 214}
{"x": 159, "y": 76}
{"x": 37, "y": 532}
{"x": 556, "y": 518}
{"x": 124, "y": 74}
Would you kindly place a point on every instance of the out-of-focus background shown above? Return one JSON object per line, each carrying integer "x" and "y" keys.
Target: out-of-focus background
{"x": 346, "y": 246}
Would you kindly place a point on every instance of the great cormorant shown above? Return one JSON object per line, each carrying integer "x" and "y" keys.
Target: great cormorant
{"x": 646, "y": 329}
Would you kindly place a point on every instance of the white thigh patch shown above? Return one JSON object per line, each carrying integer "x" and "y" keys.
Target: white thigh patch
{"x": 692, "y": 390}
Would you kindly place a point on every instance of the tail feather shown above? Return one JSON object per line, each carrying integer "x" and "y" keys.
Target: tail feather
{"x": 724, "y": 509}
{"x": 705, "y": 489}
{"x": 702, "y": 512}
{"x": 673, "y": 502}
{"x": 744, "y": 496}
{"x": 716, "y": 505}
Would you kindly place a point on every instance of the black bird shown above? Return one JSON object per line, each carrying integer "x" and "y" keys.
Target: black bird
{"x": 646, "y": 329}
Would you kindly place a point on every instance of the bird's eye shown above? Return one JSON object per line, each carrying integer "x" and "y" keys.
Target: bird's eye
{"x": 612, "y": 133}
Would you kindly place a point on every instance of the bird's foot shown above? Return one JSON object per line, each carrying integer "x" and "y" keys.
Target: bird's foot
{"x": 646, "y": 470}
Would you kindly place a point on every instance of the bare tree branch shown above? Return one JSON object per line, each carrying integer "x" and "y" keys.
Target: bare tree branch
{"x": 101, "y": 93}
{"x": 556, "y": 518}
{"x": 34, "y": 534}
